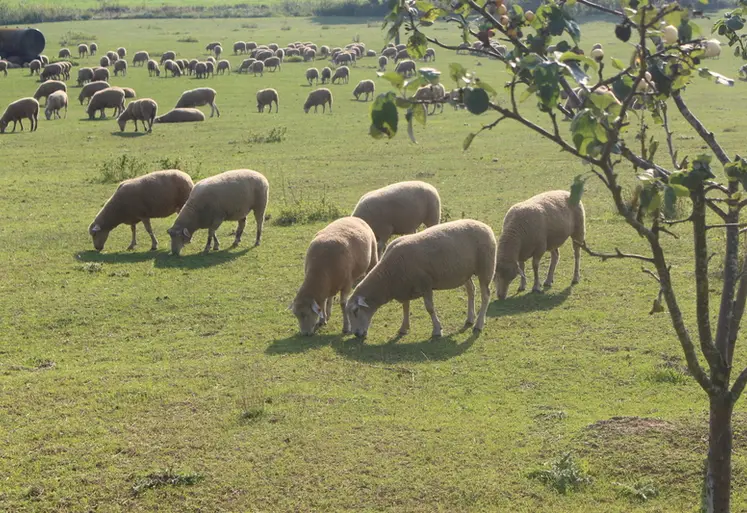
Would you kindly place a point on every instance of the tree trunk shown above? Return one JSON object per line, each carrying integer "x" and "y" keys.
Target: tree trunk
{"x": 718, "y": 477}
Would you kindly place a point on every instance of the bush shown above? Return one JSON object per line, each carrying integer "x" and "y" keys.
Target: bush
{"x": 308, "y": 212}
{"x": 275, "y": 135}
{"x": 121, "y": 168}
{"x": 294, "y": 58}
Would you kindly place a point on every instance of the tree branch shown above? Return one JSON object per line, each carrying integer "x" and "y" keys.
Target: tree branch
{"x": 704, "y": 134}
{"x": 738, "y": 387}
{"x": 601, "y": 8}
{"x": 616, "y": 254}
{"x": 670, "y": 145}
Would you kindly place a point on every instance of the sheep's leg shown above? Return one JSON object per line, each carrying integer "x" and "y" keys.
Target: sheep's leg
{"x": 535, "y": 269}
{"x": 405, "y": 318}
{"x": 133, "y": 243}
{"x": 554, "y": 257}
{"x": 344, "y": 295}
{"x": 328, "y": 308}
{"x": 259, "y": 217}
{"x": 209, "y": 241}
{"x": 20, "y": 122}
{"x": 239, "y": 232}
{"x": 149, "y": 229}
{"x": 470, "y": 302}
{"x": 428, "y": 300}
{"x": 217, "y": 111}
{"x": 523, "y": 284}
{"x": 484, "y": 303}
{"x": 577, "y": 264}
{"x": 216, "y": 244}
{"x": 136, "y": 125}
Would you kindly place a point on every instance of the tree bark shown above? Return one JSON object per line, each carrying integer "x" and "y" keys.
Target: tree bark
{"x": 718, "y": 477}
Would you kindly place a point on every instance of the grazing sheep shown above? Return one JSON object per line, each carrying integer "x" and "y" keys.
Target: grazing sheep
{"x": 82, "y": 50}
{"x": 405, "y": 68}
{"x": 55, "y": 102}
{"x": 399, "y": 209}
{"x": 251, "y": 45}
{"x": 121, "y": 52}
{"x": 129, "y": 92}
{"x": 201, "y": 70}
{"x": 261, "y": 55}
{"x": 366, "y": 87}
{"x": 211, "y": 46}
{"x": 181, "y": 116}
{"x": 370, "y": 53}
{"x": 272, "y": 63}
{"x": 48, "y": 87}
{"x": 44, "y": 59}
{"x": 389, "y": 52}
{"x": 4, "y": 67}
{"x": 403, "y": 55}
{"x": 342, "y": 74}
{"x": 430, "y": 55}
{"x": 110, "y": 98}
{"x": 101, "y": 75}
{"x": 192, "y": 65}
{"x": 224, "y": 66}
{"x": 273, "y": 46}
{"x": 25, "y": 108}
{"x": 90, "y": 89}
{"x": 258, "y": 67}
{"x": 104, "y": 62}
{"x": 280, "y": 54}
{"x": 197, "y": 98}
{"x": 383, "y": 61}
{"x": 712, "y": 49}
{"x": 140, "y": 58}
{"x": 246, "y": 65}
{"x": 170, "y": 55}
{"x": 441, "y": 257}
{"x": 229, "y": 196}
{"x": 120, "y": 66}
{"x": 153, "y": 68}
{"x": 157, "y": 194}
{"x": 93, "y": 48}
{"x": 343, "y": 58}
{"x": 311, "y": 75}
{"x": 144, "y": 110}
{"x": 324, "y": 51}
{"x": 266, "y": 97}
{"x": 85, "y": 75}
{"x": 64, "y": 53}
{"x": 183, "y": 64}
{"x": 431, "y": 93}
{"x": 326, "y": 75}
{"x": 309, "y": 55}
{"x": 218, "y": 50}
{"x": 239, "y": 47}
{"x": 51, "y": 71}
{"x": 211, "y": 59}
{"x": 173, "y": 67}
{"x": 210, "y": 68}
{"x": 321, "y": 96}
{"x": 35, "y": 67}
{"x": 338, "y": 256}
{"x": 531, "y": 228}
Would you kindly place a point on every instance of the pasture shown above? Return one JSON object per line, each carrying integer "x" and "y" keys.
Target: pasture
{"x": 120, "y": 371}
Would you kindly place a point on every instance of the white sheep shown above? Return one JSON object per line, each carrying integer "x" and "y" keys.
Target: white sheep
{"x": 139, "y": 200}
{"x": 223, "y": 66}
{"x": 540, "y": 224}
{"x": 101, "y": 75}
{"x": 64, "y": 53}
{"x": 153, "y": 68}
{"x": 311, "y": 75}
{"x": 430, "y": 55}
{"x": 201, "y": 70}
{"x": 712, "y": 49}
{"x": 104, "y": 62}
{"x": 239, "y": 47}
{"x": 110, "y": 98}
{"x": 122, "y": 52}
{"x": 173, "y": 67}
{"x": 228, "y": 196}
{"x": 399, "y": 209}
{"x": 258, "y": 67}
{"x": 17, "y": 111}
{"x": 321, "y": 96}
{"x": 93, "y": 48}
{"x": 272, "y": 63}
{"x": 82, "y": 50}
{"x": 48, "y": 87}
{"x": 143, "y": 110}
{"x": 211, "y": 46}
{"x": 326, "y": 75}
{"x": 383, "y": 61}
{"x": 181, "y": 116}
{"x": 405, "y": 68}
{"x": 35, "y": 66}
{"x": 129, "y": 92}
{"x": 112, "y": 56}
{"x": 170, "y": 55}
{"x": 120, "y": 66}
{"x": 441, "y": 257}
{"x": 267, "y": 97}
{"x": 218, "y": 50}
{"x": 246, "y": 65}
{"x": 55, "y": 70}
{"x": 338, "y": 257}
{"x": 90, "y": 89}
{"x": 431, "y": 93}
{"x": 197, "y": 98}
{"x": 140, "y": 58}
{"x": 55, "y": 102}
{"x": 366, "y": 87}
{"x": 342, "y": 74}
{"x": 85, "y": 75}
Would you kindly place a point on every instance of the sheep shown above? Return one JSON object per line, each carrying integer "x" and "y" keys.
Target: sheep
{"x": 258, "y": 67}
{"x": 430, "y": 55}
{"x": 52, "y": 71}
{"x": 173, "y": 67}
{"x": 90, "y": 89}
{"x": 211, "y": 59}
{"x": 120, "y": 66}
{"x": 82, "y": 50}
{"x": 311, "y": 75}
{"x": 399, "y": 209}
{"x": 218, "y": 50}
{"x": 64, "y": 53}
{"x": 192, "y": 65}
{"x": 110, "y": 98}
{"x": 338, "y": 256}
{"x": 405, "y": 68}
{"x": 309, "y": 55}
{"x": 403, "y": 55}
{"x": 264, "y": 54}
{"x": 48, "y": 87}
{"x": 44, "y": 59}
{"x": 272, "y": 62}
{"x": 273, "y": 46}
{"x": 251, "y": 45}
{"x": 441, "y": 257}
{"x": 324, "y": 51}
{"x": 224, "y": 66}
{"x": 4, "y": 67}
{"x": 389, "y": 53}
{"x": 85, "y": 75}
{"x": 239, "y": 47}
{"x": 711, "y": 48}
{"x": 112, "y": 56}
{"x": 383, "y": 61}
{"x": 140, "y": 58}
{"x": 129, "y": 92}
{"x": 531, "y": 228}
{"x": 280, "y": 54}
{"x": 342, "y": 74}
{"x": 431, "y": 93}
{"x": 93, "y": 48}
{"x": 201, "y": 70}
{"x": 210, "y": 68}
{"x": 197, "y": 98}
{"x": 157, "y": 194}
{"x": 104, "y": 62}
{"x": 370, "y": 53}
{"x": 122, "y": 52}
{"x": 321, "y": 96}
{"x": 246, "y": 65}
{"x": 211, "y": 46}
{"x": 266, "y": 97}
{"x": 343, "y": 58}
{"x": 228, "y": 196}
{"x": 65, "y": 69}
{"x": 183, "y": 64}
{"x": 181, "y": 116}
{"x": 326, "y": 75}
{"x": 153, "y": 68}
{"x": 170, "y": 55}
{"x": 35, "y": 67}
{"x": 17, "y": 111}
{"x": 144, "y": 110}
{"x": 55, "y": 102}
{"x": 366, "y": 87}
{"x": 101, "y": 75}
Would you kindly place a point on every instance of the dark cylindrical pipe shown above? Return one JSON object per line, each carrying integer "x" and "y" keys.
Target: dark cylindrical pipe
{"x": 25, "y": 43}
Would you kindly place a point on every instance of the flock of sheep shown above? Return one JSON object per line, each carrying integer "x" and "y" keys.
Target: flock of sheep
{"x": 350, "y": 257}
{"x": 100, "y": 95}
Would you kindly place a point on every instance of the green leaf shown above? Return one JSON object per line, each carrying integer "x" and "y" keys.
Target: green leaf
{"x": 618, "y": 64}
{"x": 734, "y": 23}
{"x": 476, "y": 100}
{"x": 652, "y": 150}
{"x": 484, "y": 85}
{"x": 603, "y": 99}
{"x": 418, "y": 112}
{"x": 573, "y": 30}
{"x": 623, "y": 86}
{"x": 415, "y": 83}
{"x": 719, "y": 78}
{"x": 417, "y": 44}
{"x": 432, "y": 75}
{"x": 670, "y": 199}
{"x": 562, "y": 46}
{"x": 457, "y": 72}
{"x": 468, "y": 141}
{"x": 384, "y": 115}
{"x": 393, "y": 78}
{"x": 680, "y": 190}
{"x": 547, "y": 82}
{"x": 656, "y": 201}
{"x": 577, "y": 190}
{"x": 578, "y": 75}
{"x": 571, "y": 56}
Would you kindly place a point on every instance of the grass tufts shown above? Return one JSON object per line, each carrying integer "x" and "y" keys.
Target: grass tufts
{"x": 165, "y": 478}
{"x": 275, "y": 135}
{"x": 670, "y": 375}
{"x": 308, "y": 212}
{"x": 641, "y": 490}
{"x": 188, "y": 39}
{"x": 121, "y": 168}
{"x": 91, "y": 267}
{"x": 294, "y": 58}
{"x": 563, "y": 475}
{"x": 74, "y": 38}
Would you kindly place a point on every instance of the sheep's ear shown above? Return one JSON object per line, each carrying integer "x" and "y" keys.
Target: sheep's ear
{"x": 95, "y": 228}
{"x": 361, "y": 302}
{"x": 316, "y": 309}
{"x": 186, "y": 233}
{"x": 521, "y": 273}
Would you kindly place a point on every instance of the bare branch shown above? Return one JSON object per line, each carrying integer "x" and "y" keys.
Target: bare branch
{"x": 670, "y": 145}
{"x": 601, "y": 8}
{"x": 704, "y": 134}
{"x": 651, "y": 273}
{"x": 678, "y": 221}
{"x": 616, "y": 254}
{"x": 726, "y": 225}
{"x": 739, "y": 385}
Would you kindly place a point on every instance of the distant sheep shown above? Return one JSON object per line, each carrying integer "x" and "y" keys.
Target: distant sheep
{"x": 404, "y": 54}
{"x": 218, "y": 50}
{"x": 272, "y": 63}
{"x": 101, "y": 75}
{"x": 173, "y": 67}
{"x": 201, "y": 70}
{"x": 326, "y": 75}
{"x": 209, "y": 68}
{"x": 342, "y": 74}
{"x": 239, "y": 47}
{"x": 17, "y": 111}
{"x": 85, "y": 75}
{"x": 211, "y": 46}
{"x": 258, "y": 67}
{"x": 224, "y": 66}
{"x": 311, "y": 75}
{"x": 120, "y": 67}
{"x": 266, "y": 97}
{"x": 140, "y": 58}
{"x": 129, "y": 92}
{"x": 90, "y": 89}
{"x": 366, "y": 87}
{"x": 170, "y": 55}
{"x": 153, "y": 68}
{"x": 93, "y": 48}
{"x": 122, "y": 52}
{"x": 197, "y": 98}
{"x": 280, "y": 54}
{"x": 324, "y": 51}
{"x": 55, "y": 103}
{"x": 110, "y": 98}
{"x": 35, "y": 67}
{"x": 144, "y": 110}
{"x": 104, "y": 62}
{"x": 383, "y": 61}
{"x": 155, "y": 195}
{"x": 52, "y": 71}
{"x": 64, "y": 53}
{"x": 48, "y": 87}
{"x": 82, "y": 50}
{"x": 181, "y": 116}
{"x": 389, "y": 52}
{"x": 430, "y": 55}
{"x": 712, "y": 49}
{"x": 112, "y": 56}
{"x": 246, "y": 65}
{"x": 406, "y": 68}
{"x": 228, "y": 196}
{"x": 321, "y": 96}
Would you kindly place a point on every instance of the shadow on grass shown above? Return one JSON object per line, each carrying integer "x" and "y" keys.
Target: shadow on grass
{"x": 438, "y": 349}
{"x": 129, "y": 135}
{"x": 198, "y": 260}
{"x": 528, "y": 302}
{"x": 120, "y": 257}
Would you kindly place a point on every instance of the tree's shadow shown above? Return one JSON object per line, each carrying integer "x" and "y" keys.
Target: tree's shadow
{"x": 128, "y": 135}
{"x": 528, "y": 302}
{"x": 121, "y": 257}
{"x": 198, "y": 260}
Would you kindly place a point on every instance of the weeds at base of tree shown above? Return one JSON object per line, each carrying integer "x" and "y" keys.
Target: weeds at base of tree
{"x": 165, "y": 478}
{"x": 563, "y": 475}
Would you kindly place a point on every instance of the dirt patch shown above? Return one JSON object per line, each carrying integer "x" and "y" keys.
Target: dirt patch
{"x": 630, "y": 425}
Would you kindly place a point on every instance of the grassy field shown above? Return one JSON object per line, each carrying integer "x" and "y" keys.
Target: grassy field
{"x": 121, "y": 372}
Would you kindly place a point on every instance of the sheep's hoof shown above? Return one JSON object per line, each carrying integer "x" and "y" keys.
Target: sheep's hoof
{"x": 403, "y": 332}
{"x": 537, "y": 291}
{"x": 436, "y": 334}
{"x": 131, "y": 247}
{"x": 476, "y": 330}
{"x": 575, "y": 281}
{"x": 346, "y": 331}
{"x": 522, "y": 288}
{"x": 547, "y": 284}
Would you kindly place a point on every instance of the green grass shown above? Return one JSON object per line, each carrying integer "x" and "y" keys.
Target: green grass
{"x": 115, "y": 366}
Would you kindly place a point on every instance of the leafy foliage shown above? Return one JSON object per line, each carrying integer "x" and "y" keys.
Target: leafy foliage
{"x": 564, "y": 474}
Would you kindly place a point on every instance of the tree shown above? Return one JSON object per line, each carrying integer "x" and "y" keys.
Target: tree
{"x": 609, "y": 131}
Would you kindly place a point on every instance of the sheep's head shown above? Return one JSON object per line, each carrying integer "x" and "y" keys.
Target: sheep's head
{"x": 99, "y": 236}
{"x": 306, "y": 107}
{"x": 309, "y": 314}
{"x": 504, "y": 275}
{"x": 3, "y": 126}
{"x": 179, "y": 237}
{"x": 121, "y": 121}
{"x": 360, "y": 315}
